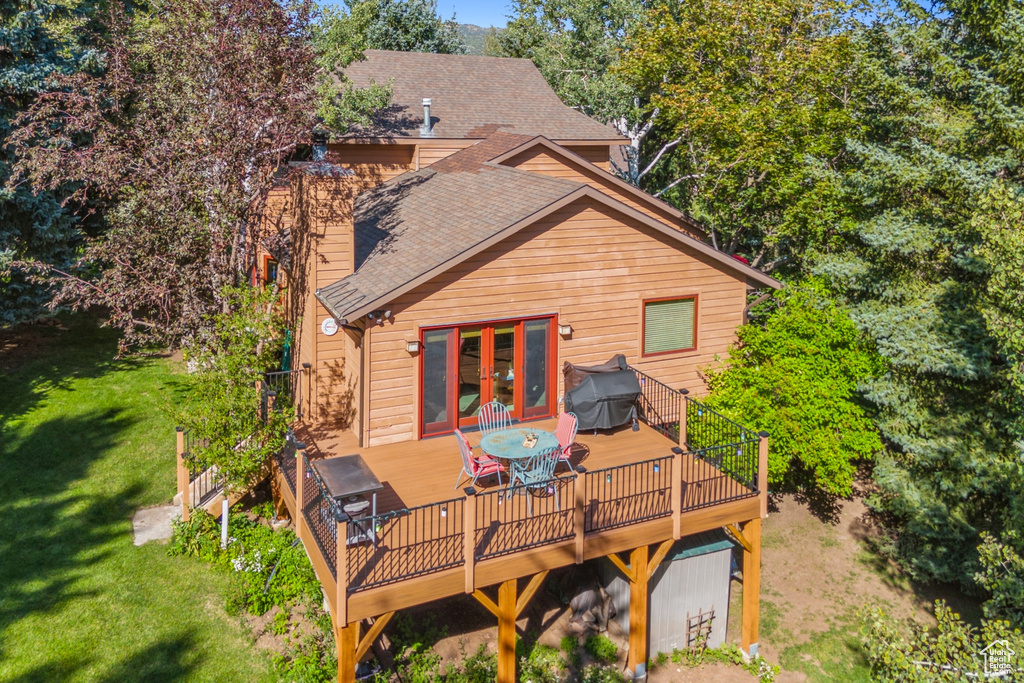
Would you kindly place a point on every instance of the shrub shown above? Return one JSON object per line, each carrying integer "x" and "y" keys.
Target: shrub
{"x": 599, "y": 674}
{"x": 544, "y": 664}
{"x": 571, "y": 648}
{"x": 601, "y": 648}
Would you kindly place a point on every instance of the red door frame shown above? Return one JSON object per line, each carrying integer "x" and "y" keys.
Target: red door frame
{"x": 487, "y": 342}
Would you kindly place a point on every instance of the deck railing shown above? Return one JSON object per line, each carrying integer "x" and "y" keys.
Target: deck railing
{"x": 720, "y": 474}
{"x": 707, "y": 428}
{"x": 321, "y": 513}
{"x": 628, "y": 494}
{"x": 204, "y": 483}
{"x": 283, "y": 385}
{"x": 659, "y": 405}
{"x": 287, "y": 461}
{"x": 510, "y": 520}
{"x": 404, "y": 543}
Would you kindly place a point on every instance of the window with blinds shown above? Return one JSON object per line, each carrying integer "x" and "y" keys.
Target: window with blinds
{"x": 670, "y": 325}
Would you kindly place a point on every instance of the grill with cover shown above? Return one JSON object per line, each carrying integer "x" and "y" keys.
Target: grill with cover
{"x": 602, "y": 396}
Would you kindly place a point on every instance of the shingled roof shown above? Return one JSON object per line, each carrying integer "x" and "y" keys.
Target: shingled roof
{"x": 472, "y": 96}
{"x": 417, "y": 225}
{"x": 422, "y": 220}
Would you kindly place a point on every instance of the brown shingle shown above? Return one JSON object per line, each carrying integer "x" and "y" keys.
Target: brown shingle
{"x": 472, "y": 96}
{"x": 420, "y": 220}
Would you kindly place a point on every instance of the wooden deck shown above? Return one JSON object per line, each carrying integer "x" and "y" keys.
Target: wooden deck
{"x": 631, "y": 489}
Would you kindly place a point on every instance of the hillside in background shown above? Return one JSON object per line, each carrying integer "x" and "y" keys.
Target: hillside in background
{"x": 474, "y": 37}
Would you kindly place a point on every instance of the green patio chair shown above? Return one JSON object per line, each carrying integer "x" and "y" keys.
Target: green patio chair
{"x": 537, "y": 473}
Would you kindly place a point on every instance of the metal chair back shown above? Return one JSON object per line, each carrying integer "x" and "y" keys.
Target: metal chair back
{"x": 493, "y": 417}
{"x": 466, "y": 451}
{"x": 565, "y": 432}
{"x": 541, "y": 467}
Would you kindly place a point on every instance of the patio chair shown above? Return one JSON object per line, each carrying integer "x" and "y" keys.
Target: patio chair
{"x": 537, "y": 473}
{"x": 493, "y": 417}
{"x": 565, "y": 432}
{"x": 484, "y": 466}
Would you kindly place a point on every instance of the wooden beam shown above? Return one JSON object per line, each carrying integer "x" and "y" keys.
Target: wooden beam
{"x": 579, "y": 514}
{"x": 528, "y": 592}
{"x": 482, "y": 598}
{"x": 751, "y": 587}
{"x": 638, "y": 596}
{"x": 184, "y": 486}
{"x": 346, "y": 640}
{"x": 507, "y": 632}
{"x": 366, "y": 642}
{"x": 617, "y": 561}
{"x": 738, "y": 535}
{"x": 659, "y": 555}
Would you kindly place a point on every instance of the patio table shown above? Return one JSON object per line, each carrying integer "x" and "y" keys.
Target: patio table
{"x": 507, "y": 444}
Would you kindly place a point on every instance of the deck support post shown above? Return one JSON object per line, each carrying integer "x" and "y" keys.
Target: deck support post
{"x": 677, "y": 492}
{"x": 579, "y": 516}
{"x": 469, "y": 538}
{"x": 751, "y": 586}
{"x": 636, "y": 661}
{"x": 300, "y": 478}
{"x": 507, "y": 632}
{"x": 183, "y": 482}
{"x": 346, "y": 637}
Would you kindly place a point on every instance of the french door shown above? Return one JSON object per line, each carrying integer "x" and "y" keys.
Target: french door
{"x": 466, "y": 366}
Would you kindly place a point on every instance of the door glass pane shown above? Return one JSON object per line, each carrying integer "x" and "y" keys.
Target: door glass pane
{"x": 436, "y": 416}
{"x": 470, "y": 347}
{"x": 535, "y": 367}
{"x": 502, "y": 373}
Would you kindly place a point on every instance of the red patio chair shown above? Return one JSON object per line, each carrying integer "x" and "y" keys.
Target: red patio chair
{"x": 484, "y": 466}
{"x": 565, "y": 432}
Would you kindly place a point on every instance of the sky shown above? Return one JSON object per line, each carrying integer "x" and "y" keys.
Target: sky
{"x": 480, "y": 12}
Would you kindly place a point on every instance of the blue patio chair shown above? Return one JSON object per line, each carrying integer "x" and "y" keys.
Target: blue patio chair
{"x": 537, "y": 473}
{"x": 493, "y": 417}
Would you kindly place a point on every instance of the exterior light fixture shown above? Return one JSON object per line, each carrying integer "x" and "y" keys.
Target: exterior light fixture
{"x": 413, "y": 346}
{"x": 565, "y": 330}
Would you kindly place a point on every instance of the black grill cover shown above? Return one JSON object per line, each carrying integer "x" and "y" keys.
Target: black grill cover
{"x": 604, "y": 400}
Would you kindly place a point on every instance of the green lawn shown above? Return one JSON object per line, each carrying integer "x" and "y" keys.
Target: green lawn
{"x": 83, "y": 444}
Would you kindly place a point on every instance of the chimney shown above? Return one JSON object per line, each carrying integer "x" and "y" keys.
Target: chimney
{"x": 319, "y": 145}
{"x": 427, "y": 129}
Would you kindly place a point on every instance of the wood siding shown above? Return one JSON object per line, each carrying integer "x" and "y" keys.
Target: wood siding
{"x": 588, "y": 265}
{"x": 374, "y": 164}
{"x": 598, "y": 155}
{"x": 540, "y": 161}
{"x": 428, "y": 155}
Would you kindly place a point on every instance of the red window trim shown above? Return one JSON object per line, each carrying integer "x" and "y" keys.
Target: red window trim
{"x": 643, "y": 325}
{"x": 552, "y": 365}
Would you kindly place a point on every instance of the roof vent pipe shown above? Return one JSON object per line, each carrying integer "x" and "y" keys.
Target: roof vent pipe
{"x": 427, "y": 129}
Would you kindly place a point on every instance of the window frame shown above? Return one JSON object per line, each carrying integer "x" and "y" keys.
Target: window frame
{"x": 643, "y": 325}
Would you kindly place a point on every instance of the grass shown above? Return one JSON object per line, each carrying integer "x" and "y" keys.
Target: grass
{"x": 832, "y": 655}
{"x": 83, "y": 444}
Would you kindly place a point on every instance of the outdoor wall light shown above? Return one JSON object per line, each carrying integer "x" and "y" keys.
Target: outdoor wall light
{"x": 413, "y": 346}
{"x": 565, "y": 330}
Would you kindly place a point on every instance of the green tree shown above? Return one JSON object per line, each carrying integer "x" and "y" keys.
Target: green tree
{"x": 796, "y": 376}
{"x": 920, "y": 264}
{"x": 221, "y": 404}
{"x": 577, "y": 44}
{"x": 752, "y": 107}
{"x": 951, "y": 652}
{"x": 401, "y": 25}
{"x": 41, "y": 40}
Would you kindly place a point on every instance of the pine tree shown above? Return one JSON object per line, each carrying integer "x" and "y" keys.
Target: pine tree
{"x": 37, "y": 42}
{"x": 942, "y": 123}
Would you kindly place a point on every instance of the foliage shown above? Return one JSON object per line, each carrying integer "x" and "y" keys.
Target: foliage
{"x": 1002, "y": 575}
{"x": 571, "y": 647}
{"x": 753, "y": 106}
{"x": 544, "y": 664}
{"x": 576, "y": 45}
{"x": 796, "y": 376}
{"x": 601, "y": 648}
{"x": 728, "y": 653}
{"x": 940, "y": 136}
{"x": 270, "y": 569}
{"x": 222, "y": 399}
{"x": 43, "y": 39}
{"x": 401, "y": 25}
{"x": 953, "y": 652}
{"x": 600, "y": 674}
{"x": 177, "y": 142}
